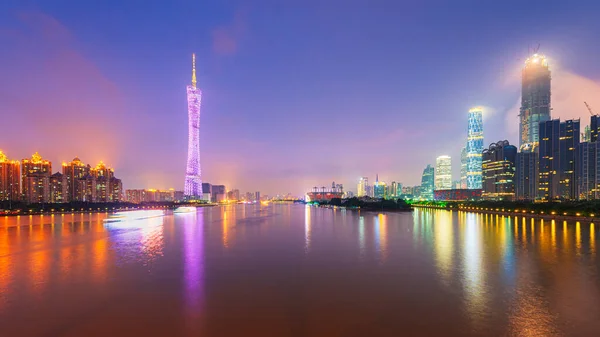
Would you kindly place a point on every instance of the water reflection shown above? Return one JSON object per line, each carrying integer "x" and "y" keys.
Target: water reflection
{"x": 307, "y": 228}
{"x": 444, "y": 244}
{"x": 472, "y": 266}
{"x": 139, "y": 240}
{"x": 193, "y": 233}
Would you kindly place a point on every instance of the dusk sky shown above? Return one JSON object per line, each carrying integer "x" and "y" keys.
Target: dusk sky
{"x": 295, "y": 93}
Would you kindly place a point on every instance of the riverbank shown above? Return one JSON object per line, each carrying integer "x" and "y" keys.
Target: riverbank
{"x": 49, "y": 209}
{"x": 553, "y": 215}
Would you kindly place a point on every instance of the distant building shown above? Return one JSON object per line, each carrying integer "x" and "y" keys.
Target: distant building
{"x": 233, "y": 195}
{"x": 103, "y": 176}
{"x": 499, "y": 162}
{"x": 526, "y": 176}
{"x": 594, "y": 128}
{"x": 10, "y": 179}
{"x": 257, "y": 196}
{"x": 535, "y": 103}
{"x": 206, "y": 192}
{"x": 320, "y": 193}
{"x": 58, "y": 188}
{"x": 474, "y": 148}
{"x": 35, "y": 176}
{"x": 73, "y": 172}
{"x": 463, "y": 168}
{"x": 218, "y": 193}
{"x": 363, "y": 185}
{"x": 135, "y": 196}
{"x": 443, "y": 173}
{"x": 427, "y": 183}
{"x": 379, "y": 189}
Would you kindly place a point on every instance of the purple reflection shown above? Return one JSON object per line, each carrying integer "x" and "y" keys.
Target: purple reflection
{"x": 194, "y": 259}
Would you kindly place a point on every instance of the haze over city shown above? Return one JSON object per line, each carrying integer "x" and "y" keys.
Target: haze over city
{"x": 295, "y": 94}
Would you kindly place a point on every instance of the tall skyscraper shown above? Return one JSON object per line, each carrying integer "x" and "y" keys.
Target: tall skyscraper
{"x": 588, "y": 170}
{"x": 526, "y": 176}
{"x": 535, "y": 101}
{"x": 74, "y": 171}
{"x": 463, "y": 168}
{"x": 58, "y": 187}
{"x": 427, "y": 183}
{"x": 363, "y": 186}
{"x": 35, "y": 175}
{"x": 379, "y": 188}
{"x": 103, "y": 175}
{"x": 594, "y": 128}
{"x": 498, "y": 164}
{"x": 193, "y": 176}
{"x": 10, "y": 176}
{"x": 443, "y": 173}
{"x": 557, "y": 158}
{"x": 474, "y": 148}
{"x": 568, "y": 143}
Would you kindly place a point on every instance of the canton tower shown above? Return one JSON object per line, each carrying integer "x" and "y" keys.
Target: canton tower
{"x": 193, "y": 177}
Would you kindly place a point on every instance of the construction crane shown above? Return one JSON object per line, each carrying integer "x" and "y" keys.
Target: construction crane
{"x": 589, "y": 109}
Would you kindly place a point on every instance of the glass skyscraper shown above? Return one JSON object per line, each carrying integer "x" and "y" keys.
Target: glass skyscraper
{"x": 427, "y": 183}
{"x": 535, "y": 101}
{"x": 443, "y": 173}
{"x": 474, "y": 148}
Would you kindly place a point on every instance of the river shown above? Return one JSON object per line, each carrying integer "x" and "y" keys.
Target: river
{"x": 295, "y": 270}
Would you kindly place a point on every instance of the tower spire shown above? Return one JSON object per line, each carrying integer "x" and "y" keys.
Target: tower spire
{"x": 194, "y": 70}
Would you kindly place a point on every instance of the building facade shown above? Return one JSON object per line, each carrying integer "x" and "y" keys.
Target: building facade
{"x": 535, "y": 101}
{"x": 588, "y": 171}
{"x": 58, "y": 188}
{"x": 443, "y": 173}
{"x": 498, "y": 176}
{"x": 74, "y": 171}
{"x": 568, "y": 143}
{"x": 35, "y": 179}
{"x": 526, "y": 176}
{"x": 193, "y": 176}
{"x": 427, "y": 183}
{"x": 463, "y": 168}
{"x": 10, "y": 179}
{"x": 474, "y": 148}
{"x": 363, "y": 186}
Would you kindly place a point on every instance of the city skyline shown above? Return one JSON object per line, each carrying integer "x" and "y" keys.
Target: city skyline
{"x": 257, "y": 106}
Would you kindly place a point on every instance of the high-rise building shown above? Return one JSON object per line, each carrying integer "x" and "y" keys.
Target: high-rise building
{"x": 535, "y": 101}
{"x": 498, "y": 165}
{"x": 568, "y": 143}
{"x": 10, "y": 179}
{"x": 74, "y": 171}
{"x": 379, "y": 188}
{"x": 135, "y": 196}
{"x": 588, "y": 170}
{"x": 463, "y": 168}
{"x": 474, "y": 148}
{"x": 218, "y": 193}
{"x": 35, "y": 175}
{"x": 116, "y": 190}
{"x": 193, "y": 176}
{"x": 58, "y": 187}
{"x": 103, "y": 175}
{"x": 557, "y": 159}
{"x": 526, "y": 176}
{"x": 443, "y": 173}
{"x": 257, "y": 196}
{"x": 362, "y": 187}
{"x": 427, "y": 183}
{"x": 206, "y": 192}
{"x": 594, "y": 128}
{"x": 549, "y": 160}
{"x": 233, "y": 195}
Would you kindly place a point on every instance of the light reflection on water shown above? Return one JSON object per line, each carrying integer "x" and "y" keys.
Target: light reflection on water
{"x": 279, "y": 269}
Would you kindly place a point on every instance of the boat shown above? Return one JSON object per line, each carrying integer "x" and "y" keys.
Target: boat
{"x": 185, "y": 209}
{"x": 134, "y": 215}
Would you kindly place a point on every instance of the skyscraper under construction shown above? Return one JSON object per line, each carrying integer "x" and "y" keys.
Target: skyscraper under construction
{"x": 535, "y": 101}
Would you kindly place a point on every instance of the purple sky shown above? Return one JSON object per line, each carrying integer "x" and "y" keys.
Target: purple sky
{"x": 295, "y": 93}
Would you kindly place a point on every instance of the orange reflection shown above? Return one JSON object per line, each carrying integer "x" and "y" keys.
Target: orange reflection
{"x": 578, "y": 237}
{"x": 225, "y": 229}
{"x": 593, "y": 240}
{"x": 443, "y": 237}
{"x": 382, "y": 235}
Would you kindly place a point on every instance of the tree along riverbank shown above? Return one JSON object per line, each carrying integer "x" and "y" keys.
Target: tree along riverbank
{"x": 578, "y": 210}
{"x": 398, "y": 205}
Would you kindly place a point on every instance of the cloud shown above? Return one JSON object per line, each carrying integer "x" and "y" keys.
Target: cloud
{"x": 226, "y": 38}
{"x": 569, "y": 91}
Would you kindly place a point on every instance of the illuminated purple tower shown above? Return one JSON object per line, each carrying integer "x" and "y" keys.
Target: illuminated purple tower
{"x": 193, "y": 176}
